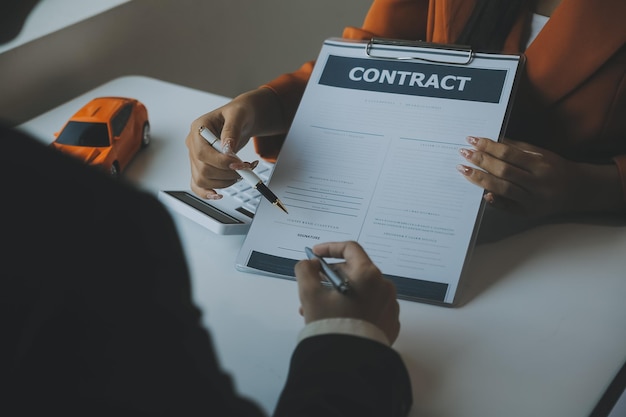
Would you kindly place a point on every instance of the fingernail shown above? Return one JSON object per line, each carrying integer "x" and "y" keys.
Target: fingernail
{"x": 227, "y": 148}
{"x": 472, "y": 140}
{"x": 211, "y": 196}
{"x": 466, "y": 153}
{"x": 464, "y": 170}
{"x": 235, "y": 166}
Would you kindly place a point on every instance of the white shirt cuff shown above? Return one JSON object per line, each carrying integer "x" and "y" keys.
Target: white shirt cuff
{"x": 344, "y": 325}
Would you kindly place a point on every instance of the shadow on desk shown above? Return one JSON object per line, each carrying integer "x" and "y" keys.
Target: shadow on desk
{"x": 506, "y": 241}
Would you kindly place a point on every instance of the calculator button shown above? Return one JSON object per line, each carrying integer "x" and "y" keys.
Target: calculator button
{"x": 251, "y": 205}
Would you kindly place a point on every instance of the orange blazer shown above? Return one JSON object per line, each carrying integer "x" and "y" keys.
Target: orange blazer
{"x": 572, "y": 98}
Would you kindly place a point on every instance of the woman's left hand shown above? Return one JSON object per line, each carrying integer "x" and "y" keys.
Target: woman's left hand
{"x": 520, "y": 177}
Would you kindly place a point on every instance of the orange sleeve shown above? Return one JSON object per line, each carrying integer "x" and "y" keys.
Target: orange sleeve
{"x": 398, "y": 19}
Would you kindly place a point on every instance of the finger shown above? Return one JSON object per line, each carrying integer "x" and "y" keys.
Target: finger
{"x": 197, "y": 179}
{"x": 212, "y": 157}
{"x": 206, "y": 187}
{"x": 208, "y": 176}
{"x": 347, "y": 250}
{"x": 207, "y": 194}
{"x": 244, "y": 165}
{"x": 209, "y": 168}
{"x": 502, "y": 151}
{"x": 496, "y": 184}
{"x": 502, "y": 203}
{"x": 308, "y": 278}
{"x": 216, "y": 157}
{"x": 524, "y": 147}
{"x": 230, "y": 140}
{"x": 355, "y": 259}
{"x": 233, "y": 130}
{"x": 495, "y": 166}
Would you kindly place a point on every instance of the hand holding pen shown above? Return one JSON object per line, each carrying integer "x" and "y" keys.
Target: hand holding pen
{"x": 247, "y": 174}
{"x": 369, "y": 296}
{"x": 332, "y": 276}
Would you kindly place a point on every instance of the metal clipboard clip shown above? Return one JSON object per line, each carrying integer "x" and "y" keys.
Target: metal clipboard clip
{"x": 383, "y": 48}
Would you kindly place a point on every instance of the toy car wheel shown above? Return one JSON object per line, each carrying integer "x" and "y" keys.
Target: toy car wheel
{"x": 115, "y": 170}
{"x": 145, "y": 136}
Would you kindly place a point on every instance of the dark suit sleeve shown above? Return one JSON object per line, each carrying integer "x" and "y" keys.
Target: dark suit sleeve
{"x": 342, "y": 375}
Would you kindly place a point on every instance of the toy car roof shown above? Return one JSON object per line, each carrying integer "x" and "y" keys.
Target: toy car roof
{"x": 101, "y": 108}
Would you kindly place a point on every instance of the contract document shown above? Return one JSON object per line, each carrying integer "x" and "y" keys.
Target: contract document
{"x": 371, "y": 156}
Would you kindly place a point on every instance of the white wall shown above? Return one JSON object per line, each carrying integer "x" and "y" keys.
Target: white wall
{"x": 48, "y": 16}
{"x": 221, "y": 46}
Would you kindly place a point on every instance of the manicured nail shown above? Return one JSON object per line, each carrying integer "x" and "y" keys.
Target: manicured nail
{"x": 464, "y": 170}
{"x": 239, "y": 165}
{"x": 472, "y": 140}
{"x": 228, "y": 147}
{"x": 213, "y": 196}
{"x": 466, "y": 153}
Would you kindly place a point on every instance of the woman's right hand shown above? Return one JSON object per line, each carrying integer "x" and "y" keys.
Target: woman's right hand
{"x": 255, "y": 113}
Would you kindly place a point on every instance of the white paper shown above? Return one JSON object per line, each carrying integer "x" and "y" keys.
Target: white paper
{"x": 379, "y": 167}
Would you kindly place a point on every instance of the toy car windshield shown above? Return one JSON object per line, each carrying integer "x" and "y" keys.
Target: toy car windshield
{"x": 84, "y": 134}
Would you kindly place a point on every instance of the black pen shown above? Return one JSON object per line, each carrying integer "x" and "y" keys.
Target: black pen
{"x": 248, "y": 175}
{"x": 332, "y": 276}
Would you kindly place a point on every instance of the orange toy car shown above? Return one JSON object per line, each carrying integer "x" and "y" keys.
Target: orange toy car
{"x": 107, "y": 132}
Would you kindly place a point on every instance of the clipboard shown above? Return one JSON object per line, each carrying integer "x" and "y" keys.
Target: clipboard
{"x": 371, "y": 156}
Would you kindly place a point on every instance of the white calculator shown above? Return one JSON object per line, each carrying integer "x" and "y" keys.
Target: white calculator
{"x": 230, "y": 215}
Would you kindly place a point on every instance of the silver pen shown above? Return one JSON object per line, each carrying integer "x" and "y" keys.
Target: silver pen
{"x": 248, "y": 175}
{"x": 332, "y": 276}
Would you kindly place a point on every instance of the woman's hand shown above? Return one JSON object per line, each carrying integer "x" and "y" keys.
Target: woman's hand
{"x": 254, "y": 113}
{"x": 370, "y": 297}
{"x": 530, "y": 180}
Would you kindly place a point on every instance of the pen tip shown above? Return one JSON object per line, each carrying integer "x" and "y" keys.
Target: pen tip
{"x": 281, "y": 206}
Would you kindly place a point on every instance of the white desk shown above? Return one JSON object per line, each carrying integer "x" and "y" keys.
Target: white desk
{"x": 542, "y": 332}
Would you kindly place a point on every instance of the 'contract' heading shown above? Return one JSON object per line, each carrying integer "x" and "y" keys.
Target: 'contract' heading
{"x": 414, "y": 78}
